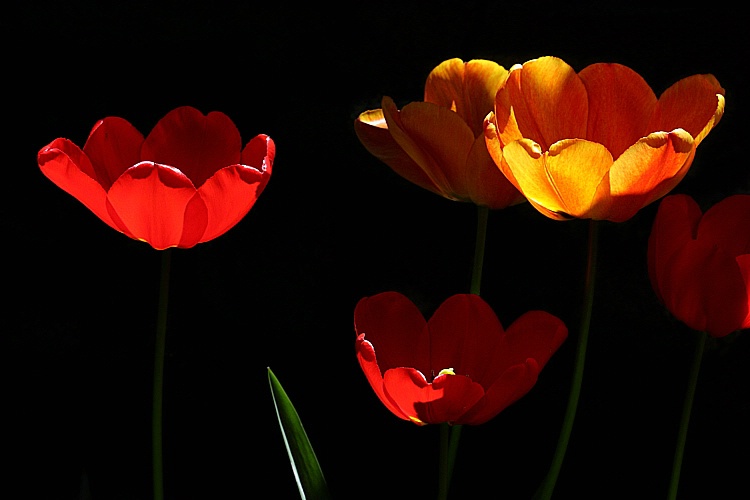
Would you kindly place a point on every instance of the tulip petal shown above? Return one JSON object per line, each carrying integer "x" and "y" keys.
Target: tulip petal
{"x": 544, "y": 100}
{"x": 704, "y": 288}
{"x": 569, "y": 181}
{"x": 720, "y": 224}
{"x": 199, "y": 145}
{"x": 675, "y": 224}
{"x": 743, "y": 261}
{"x": 506, "y": 389}
{"x": 621, "y": 104}
{"x": 484, "y": 181}
{"x": 463, "y": 332}
{"x": 648, "y": 170}
{"x": 444, "y": 400}
{"x": 151, "y": 200}
{"x": 373, "y": 133}
{"x": 467, "y": 88}
{"x": 369, "y": 364}
{"x": 436, "y": 138}
{"x": 113, "y": 146}
{"x": 694, "y": 104}
{"x": 228, "y": 195}
{"x": 396, "y": 328}
{"x": 70, "y": 169}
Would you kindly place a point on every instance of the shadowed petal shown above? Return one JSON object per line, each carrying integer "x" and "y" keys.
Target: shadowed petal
{"x": 720, "y": 222}
{"x": 484, "y": 181}
{"x": 199, "y": 145}
{"x": 113, "y": 146}
{"x": 506, "y": 389}
{"x": 373, "y": 133}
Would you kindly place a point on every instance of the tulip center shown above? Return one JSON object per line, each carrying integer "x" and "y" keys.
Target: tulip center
{"x": 446, "y": 371}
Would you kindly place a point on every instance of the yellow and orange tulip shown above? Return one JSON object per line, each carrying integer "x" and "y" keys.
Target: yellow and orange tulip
{"x": 439, "y": 144}
{"x": 597, "y": 144}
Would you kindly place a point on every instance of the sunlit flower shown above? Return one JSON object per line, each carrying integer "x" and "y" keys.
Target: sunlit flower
{"x": 460, "y": 367}
{"x": 597, "y": 144}
{"x": 699, "y": 264}
{"x": 188, "y": 182}
{"x": 439, "y": 144}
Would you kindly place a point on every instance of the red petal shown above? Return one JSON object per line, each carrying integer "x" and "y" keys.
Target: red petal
{"x": 229, "y": 195}
{"x": 198, "y": 145}
{"x": 512, "y": 384}
{"x": 464, "y": 331}
{"x": 151, "y": 201}
{"x": 396, "y": 329}
{"x": 113, "y": 146}
{"x": 369, "y": 364}
{"x": 727, "y": 224}
{"x": 445, "y": 400}
{"x": 69, "y": 168}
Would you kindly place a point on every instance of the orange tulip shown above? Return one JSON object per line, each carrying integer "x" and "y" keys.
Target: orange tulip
{"x": 439, "y": 144}
{"x": 597, "y": 144}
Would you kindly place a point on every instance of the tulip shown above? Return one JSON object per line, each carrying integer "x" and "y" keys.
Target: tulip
{"x": 597, "y": 144}
{"x": 699, "y": 264}
{"x": 439, "y": 144}
{"x": 188, "y": 182}
{"x": 460, "y": 367}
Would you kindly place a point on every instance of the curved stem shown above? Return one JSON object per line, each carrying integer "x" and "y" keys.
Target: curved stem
{"x": 685, "y": 419}
{"x": 548, "y": 485}
{"x": 158, "y": 391}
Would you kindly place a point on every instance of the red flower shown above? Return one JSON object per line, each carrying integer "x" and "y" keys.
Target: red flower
{"x": 439, "y": 144}
{"x": 699, "y": 264}
{"x": 459, "y": 367}
{"x": 188, "y": 182}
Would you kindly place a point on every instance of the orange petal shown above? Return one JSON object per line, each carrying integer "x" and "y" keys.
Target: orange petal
{"x": 649, "y": 170}
{"x": 467, "y": 88}
{"x": 436, "y": 138}
{"x": 568, "y": 181}
{"x": 373, "y": 133}
{"x": 695, "y": 104}
{"x": 620, "y": 106}
{"x": 485, "y": 183}
{"x": 548, "y": 102}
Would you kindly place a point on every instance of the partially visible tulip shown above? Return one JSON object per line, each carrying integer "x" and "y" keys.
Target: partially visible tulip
{"x": 439, "y": 144}
{"x": 699, "y": 264}
{"x": 597, "y": 144}
{"x": 188, "y": 182}
{"x": 460, "y": 367}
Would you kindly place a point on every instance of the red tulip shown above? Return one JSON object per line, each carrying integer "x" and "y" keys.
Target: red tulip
{"x": 699, "y": 264}
{"x": 439, "y": 144}
{"x": 460, "y": 367}
{"x": 597, "y": 144}
{"x": 188, "y": 182}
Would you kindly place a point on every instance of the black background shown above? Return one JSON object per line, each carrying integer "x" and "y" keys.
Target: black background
{"x": 335, "y": 225}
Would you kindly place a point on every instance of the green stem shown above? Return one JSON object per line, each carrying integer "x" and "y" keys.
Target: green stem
{"x": 158, "y": 392}
{"x": 548, "y": 485}
{"x": 450, "y": 434}
{"x": 685, "y": 420}
{"x": 476, "y": 274}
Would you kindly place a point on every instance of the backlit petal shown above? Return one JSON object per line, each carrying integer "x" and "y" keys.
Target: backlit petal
{"x": 369, "y": 364}
{"x": 485, "y": 183}
{"x": 113, "y": 146}
{"x": 621, "y": 104}
{"x": 463, "y": 333}
{"x": 150, "y": 199}
{"x": 545, "y": 99}
{"x": 506, "y": 389}
{"x": 436, "y": 138}
{"x": 69, "y": 168}
{"x": 197, "y": 144}
{"x": 373, "y": 133}
{"x": 396, "y": 328}
{"x": 648, "y": 170}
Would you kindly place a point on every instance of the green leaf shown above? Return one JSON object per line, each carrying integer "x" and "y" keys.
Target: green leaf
{"x": 310, "y": 481}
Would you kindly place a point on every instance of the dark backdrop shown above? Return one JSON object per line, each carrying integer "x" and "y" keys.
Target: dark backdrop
{"x": 335, "y": 225}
